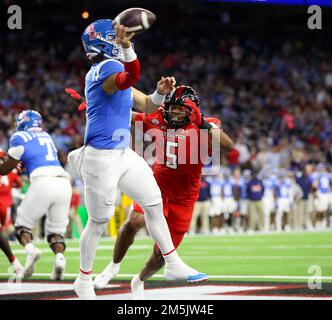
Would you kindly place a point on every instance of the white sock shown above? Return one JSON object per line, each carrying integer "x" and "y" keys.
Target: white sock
{"x": 85, "y": 277}
{"x": 173, "y": 257}
{"x": 136, "y": 280}
{"x": 29, "y": 247}
{"x": 89, "y": 242}
{"x": 157, "y": 227}
{"x": 114, "y": 267}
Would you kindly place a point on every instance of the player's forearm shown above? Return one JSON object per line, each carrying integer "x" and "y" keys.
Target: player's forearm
{"x": 153, "y": 102}
{"x": 147, "y": 104}
{"x": 218, "y": 136}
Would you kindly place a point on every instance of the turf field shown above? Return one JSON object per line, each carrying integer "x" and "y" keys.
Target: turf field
{"x": 259, "y": 257}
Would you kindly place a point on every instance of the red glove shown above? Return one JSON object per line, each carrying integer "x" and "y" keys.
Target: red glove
{"x": 82, "y": 106}
{"x": 75, "y": 95}
{"x": 196, "y": 116}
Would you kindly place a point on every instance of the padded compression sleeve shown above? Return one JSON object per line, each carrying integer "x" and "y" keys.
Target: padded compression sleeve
{"x": 129, "y": 76}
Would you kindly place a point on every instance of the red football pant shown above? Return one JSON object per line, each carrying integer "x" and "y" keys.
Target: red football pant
{"x": 178, "y": 216}
{"x": 5, "y": 216}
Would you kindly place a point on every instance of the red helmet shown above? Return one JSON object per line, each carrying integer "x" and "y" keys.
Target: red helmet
{"x": 177, "y": 100}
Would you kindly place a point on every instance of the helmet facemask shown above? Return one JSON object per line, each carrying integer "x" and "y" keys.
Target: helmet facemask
{"x": 178, "y": 115}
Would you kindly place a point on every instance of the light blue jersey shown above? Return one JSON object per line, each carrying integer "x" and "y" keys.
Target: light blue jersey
{"x": 215, "y": 187}
{"x": 242, "y": 184}
{"x": 107, "y": 115}
{"x": 283, "y": 188}
{"x": 269, "y": 186}
{"x": 227, "y": 188}
{"x": 38, "y": 149}
{"x": 324, "y": 183}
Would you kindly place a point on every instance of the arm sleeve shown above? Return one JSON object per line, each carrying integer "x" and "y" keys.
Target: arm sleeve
{"x": 129, "y": 76}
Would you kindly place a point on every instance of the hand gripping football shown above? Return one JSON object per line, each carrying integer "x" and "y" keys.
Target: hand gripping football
{"x": 136, "y": 20}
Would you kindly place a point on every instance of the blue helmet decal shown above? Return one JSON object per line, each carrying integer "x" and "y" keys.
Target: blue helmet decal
{"x": 29, "y": 119}
{"x": 99, "y": 37}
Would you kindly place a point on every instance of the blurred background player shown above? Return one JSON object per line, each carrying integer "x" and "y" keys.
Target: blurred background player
{"x": 284, "y": 201}
{"x": 306, "y": 205}
{"x": 296, "y": 221}
{"x": 255, "y": 193}
{"x": 202, "y": 208}
{"x": 7, "y": 183}
{"x": 229, "y": 204}
{"x": 216, "y": 208}
{"x": 322, "y": 188}
{"x": 106, "y": 162}
{"x": 49, "y": 192}
{"x": 246, "y": 175}
{"x": 269, "y": 203}
{"x": 237, "y": 184}
{"x": 179, "y": 182}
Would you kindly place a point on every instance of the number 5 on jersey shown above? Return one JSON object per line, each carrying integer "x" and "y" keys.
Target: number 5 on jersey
{"x": 171, "y": 156}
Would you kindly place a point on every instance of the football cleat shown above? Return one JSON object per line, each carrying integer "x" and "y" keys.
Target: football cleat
{"x": 83, "y": 287}
{"x": 101, "y": 281}
{"x": 18, "y": 269}
{"x": 137, "y": 288}
{"x": 181, "y": 271}
{"x": 59, "y": 267}
{"x": 30, "y": 263}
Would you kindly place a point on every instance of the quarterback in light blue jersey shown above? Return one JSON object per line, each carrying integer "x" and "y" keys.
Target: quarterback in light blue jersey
{"x": 106, "y": 162}
{"x": 49, "y": 192}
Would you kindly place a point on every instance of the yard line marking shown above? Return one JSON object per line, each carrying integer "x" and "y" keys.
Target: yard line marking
{"x": 279, "y": 277}
{"x": 220, "y": 257}
{"x": 101, "y": 247}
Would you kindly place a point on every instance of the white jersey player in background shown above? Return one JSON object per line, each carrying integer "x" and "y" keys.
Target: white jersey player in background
{"x": 49, "y": 192}
{"x": 269, "y": 202}
{"x": 284, "y": 196}
{"x": 106, "y": 162}
{"x": 321, "y": 192}
{"x": 216, "y": 208}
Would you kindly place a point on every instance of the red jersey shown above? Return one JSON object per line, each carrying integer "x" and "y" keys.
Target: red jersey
{"x": 178, "y": 155}
{"x": 7, "y": 183}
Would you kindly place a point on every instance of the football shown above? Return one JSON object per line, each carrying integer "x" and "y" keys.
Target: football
{"x": 137, "y": 20}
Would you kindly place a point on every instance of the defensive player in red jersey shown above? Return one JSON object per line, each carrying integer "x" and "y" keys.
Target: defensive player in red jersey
{"x": 174, "y": 124}
{"x": 7, "y": 183}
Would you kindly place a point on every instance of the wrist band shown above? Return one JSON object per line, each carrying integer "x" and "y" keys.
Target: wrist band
{"x": 157, "y": 98}
{"x": 129, "y": 54}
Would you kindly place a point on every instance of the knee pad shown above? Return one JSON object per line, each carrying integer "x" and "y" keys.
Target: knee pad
{"x": 53, "y": 239}
{"x": 20, "y": 229}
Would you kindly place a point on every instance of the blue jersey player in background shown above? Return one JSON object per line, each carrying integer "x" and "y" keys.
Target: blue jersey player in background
{"x": 106, "y": 162}
{"x": 49, "y": 192}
